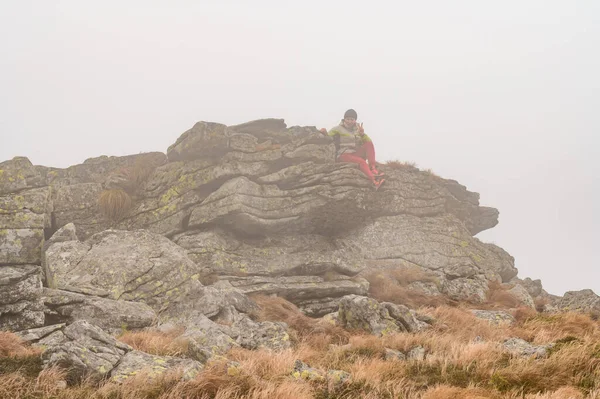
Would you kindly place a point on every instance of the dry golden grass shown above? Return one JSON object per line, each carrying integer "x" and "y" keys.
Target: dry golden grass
{"x": 13, "y": 346}
{"x": 275, "y": 308}
{"x": 498, "y": 297}
{"x": 456, "y": 365}
{"x": 156, "y": 342}
{"x": 114, "y": 204}
{"x": 397, "y": 164}
{"x": 392, "y": 285}
{"x": 449, "y": 392}
{"x": 132, "y": 177}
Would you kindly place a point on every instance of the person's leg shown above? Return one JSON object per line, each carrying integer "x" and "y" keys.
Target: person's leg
{"x": 367, "y": 150}
{"x": 354, "y": 158}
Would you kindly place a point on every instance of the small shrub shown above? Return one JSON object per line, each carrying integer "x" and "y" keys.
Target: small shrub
{"x": 114, "y": 204}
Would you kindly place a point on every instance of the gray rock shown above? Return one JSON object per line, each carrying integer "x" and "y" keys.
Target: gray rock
{"x": 578, "y": 301}
{"x": 519, "y": 292}
{"x": 59, "y": 260}
{"x": 88, "y": 352}
{"x": 207, "y": 340}
{"x": 434, "y": 243}
{"x": 466, "y": 289}
{"x": 36, "y": 334}
{"x": 255, "y": 335}
{"x": 297, "y": 288}
{"x": 136, "y": 362}
{"x": 394, "y": 355}
{"x": 204, "y": 139}
{"x": 495, "y": 317}
{"x": 305, "y": 372}
{"x": 66, "y": 233}
{"x": 112, "y": 316}
{"x": 297, "y": 254}
{"x": 520, "y": 347}
{"x": 78, "y": 203}
{"x": 207, "y": 301}
{"x": 29, "y": 209}
{"x": 19, "y": 174}
{"x": 363, "y": 313}
{"x": 533, "y": 287}
{"x": 123, "y": 265}
{"x": 416, "y": 353}
{"x": 20, "y": 304}
{"x": 21, "y": 246}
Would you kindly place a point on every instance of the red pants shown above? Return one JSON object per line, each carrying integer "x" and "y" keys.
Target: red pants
{"x": 367, "y": 150}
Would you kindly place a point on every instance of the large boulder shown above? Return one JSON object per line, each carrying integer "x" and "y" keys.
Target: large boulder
{"x": 204, "y": 139}
{"x": 112, "y": 316}
{"x": 123, "y": 265}
{"x": 85, "y": 352}
{"x": 579, "y": 301}
{"x": 366, "y": 314}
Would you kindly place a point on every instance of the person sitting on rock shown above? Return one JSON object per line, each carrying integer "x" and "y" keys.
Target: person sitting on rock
{"x": 353, "y": 145}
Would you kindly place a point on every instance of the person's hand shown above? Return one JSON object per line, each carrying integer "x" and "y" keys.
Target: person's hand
{"x": 323, "y": 130}
{"x": 361, "y": 130}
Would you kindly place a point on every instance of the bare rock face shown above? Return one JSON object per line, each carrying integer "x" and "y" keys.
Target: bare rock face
{"x": 20, "y": 304}
{"x": 112, "y": 316}
{"x": 122, "y": 265}
{"x": 85, "y": 352}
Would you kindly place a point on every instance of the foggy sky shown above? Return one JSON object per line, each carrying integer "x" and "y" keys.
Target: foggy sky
{"x": 502, "y": 96}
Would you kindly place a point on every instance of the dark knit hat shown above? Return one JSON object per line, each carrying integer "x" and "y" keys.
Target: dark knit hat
{"x": 350, "y": 114}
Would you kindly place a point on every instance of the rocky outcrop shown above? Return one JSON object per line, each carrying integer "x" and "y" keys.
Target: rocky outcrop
{"x": 578, "y": 301}
{"x": 257, "y": 208}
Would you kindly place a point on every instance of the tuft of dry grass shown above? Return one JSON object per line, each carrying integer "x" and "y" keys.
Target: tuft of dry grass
{"x": 132, "y": 177}
{"x": 498, "y": 297}
{"x": 156, "y": 342}
{"x": 399, "y": 165}
{"x": 275, "y": 308}
{"x": 392, "y": 285}
{"x": 114, "y": 204}
{"x": 13, "y": 346}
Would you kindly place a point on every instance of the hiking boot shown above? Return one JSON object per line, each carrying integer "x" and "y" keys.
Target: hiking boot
{"x": 378, "y": 183}
{"x": 376, "y": 173}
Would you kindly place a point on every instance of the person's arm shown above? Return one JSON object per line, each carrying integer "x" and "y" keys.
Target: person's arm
{"x": 362, "y": 137}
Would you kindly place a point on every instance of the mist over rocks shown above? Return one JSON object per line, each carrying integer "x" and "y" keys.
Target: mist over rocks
{"x": 230, "y": 212}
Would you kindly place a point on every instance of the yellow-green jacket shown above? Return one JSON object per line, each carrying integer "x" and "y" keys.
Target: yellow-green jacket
{"x": 349, "y": 138}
